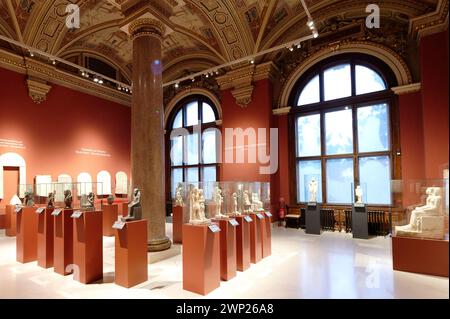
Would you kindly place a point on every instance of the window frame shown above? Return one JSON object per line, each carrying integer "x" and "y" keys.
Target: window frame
{"x": 353, "y": 102}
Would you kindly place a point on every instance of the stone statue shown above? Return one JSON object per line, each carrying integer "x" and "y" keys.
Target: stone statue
{"x": 235, "y": 204}
{"x": 197, "y": 207}
{"x": 218, "y": 200}
{"x": 257, "y": 204}
{"x": 312, "y": 187}
{"x": 110, "y": 199}
{"x": 247, "y": 204}
{"x": 51, "y": 200}
{"x": 178, "y": 197}
{"x": 426, "y": 221}
{"x": 134, "y": 207}
{"x": 240, "y": 198}
{"x": 28, "y": 199}
{"x": 68, "y": 199}
{"x": 91, "y": 199}
{"x": 359, "y": 194}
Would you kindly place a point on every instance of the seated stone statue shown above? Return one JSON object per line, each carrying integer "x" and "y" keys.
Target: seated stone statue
{"x": 257, "y": 204}
{"x": 51, "y": 200}
{"x": 134, "y": 207}
{"x": 426, "y": 221}
{"x": 28, "y": 200}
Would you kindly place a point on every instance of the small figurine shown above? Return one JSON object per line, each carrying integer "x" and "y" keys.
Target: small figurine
{"x": 359, "y": 194}
{"x": 247, "y": 203}
{"x": 134, "y": 207}
{"x": 110, "y": 199}
{"x": 218, "y": 199}
{"x": 90, "y": 201}
{"x": 28, "y": 199}
{"x": 178, "y": 197}
{"x": 235, "y": 204}
{"x": 313, "y": 190}
{"x": 68, "y": 199}
{"x": 51, "y": 200}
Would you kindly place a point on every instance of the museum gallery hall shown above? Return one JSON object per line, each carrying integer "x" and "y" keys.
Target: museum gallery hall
{"x": 184, "y": 149}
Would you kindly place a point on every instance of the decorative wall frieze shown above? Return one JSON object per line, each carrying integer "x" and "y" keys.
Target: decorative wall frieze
{"x": 433, "y": 22}
{"x": 49, "y": 73}
{"x": 37, "y": 89}
{"x": 407, "y": 89}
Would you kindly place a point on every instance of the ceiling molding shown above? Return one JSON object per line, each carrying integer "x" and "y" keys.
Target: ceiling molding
{"x": 431, "y": 23}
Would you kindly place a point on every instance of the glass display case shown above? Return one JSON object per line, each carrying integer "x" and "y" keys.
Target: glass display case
{"x": 424, "y": 208}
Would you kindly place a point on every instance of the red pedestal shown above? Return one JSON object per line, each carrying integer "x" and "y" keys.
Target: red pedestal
{"x": 177, "y": 224}
{"x": 63, "y": 242}
{"x": 10, "y": 221}
{"x": 45, "y": 238}
{"x": 242, "y": 244}
{"x": 228, "y": 264}
{"x": 88, "y": 247}
{"x": 255, "y": 240}
{"x": 266, "y": 236}
{"x": 131, "y": 254}
{"x": 124, "y": 209}
{"x": 422, "y": 256}
{"x": 201, "y": 259}
{"x": 110, "y": 215}
{"x": 26, "y": 238}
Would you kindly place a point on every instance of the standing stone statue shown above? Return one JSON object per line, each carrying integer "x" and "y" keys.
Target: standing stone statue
{"x": 359, "y": 194}
{"x": 247, "y": 203}
{"x": 312, "y": 187}
{"x": 197, "y": 207}
{"x": 178, "y": 197}
{"x": 51, "y": 200}
{"x": 235, "y": 204}
{"x": 218, "y": 200}
{"x": 68, "y": 199}
{"x": 28, "y": 200}
{"x": 134, "y": 207}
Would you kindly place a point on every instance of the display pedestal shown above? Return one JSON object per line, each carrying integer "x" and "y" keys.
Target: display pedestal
{"x": 266, "y": 232}
{"x": 45, "y": 238}
{"x": 110, "y": 215}
{"x": 201, "y": 259}
{"x": 312, "y": 219}
{"x": 360, "y": 221}
{"x": 63, "y": 242}
{"x": 10, "y": 221}
{"x": 227, "y": 248}
{"x": 131, "y": 263}
{"x": 88, "y": 247}
{"x": 422, "y": 256}
{"x": 255, "y": 239}
{"x": 26, "y": 238}
{"x": 177, "y": 224}
{"x": 242, "y": 243}
{"x": 124, "y": 209}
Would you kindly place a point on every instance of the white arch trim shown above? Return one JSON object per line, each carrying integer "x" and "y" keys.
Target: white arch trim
{"x": 13, "y": 160}
{"x": 388, "y": 56}
{"x": 188, "y": 92}
{"x": 103, "y": 183}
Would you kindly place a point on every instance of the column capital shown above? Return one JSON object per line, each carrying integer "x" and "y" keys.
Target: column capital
{"x": 146, "y": 27}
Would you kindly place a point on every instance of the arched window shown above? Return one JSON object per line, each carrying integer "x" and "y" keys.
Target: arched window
{"x": 343, "y": 135}
{"x": 192, "y": 142}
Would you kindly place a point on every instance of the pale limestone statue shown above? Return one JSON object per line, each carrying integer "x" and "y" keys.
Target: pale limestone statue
{"x": 218, "y": 200}
{"x": 312, "y": 187}
{"x": 197, "y": 207}
{"x": 426, "y": 221}
{"x": 178, "y": 196}
{"x": 247, "y": 204}
{"x": 257, "y": 204}
{"x": 359, "y": 194}
{"x": 235, "y": 204}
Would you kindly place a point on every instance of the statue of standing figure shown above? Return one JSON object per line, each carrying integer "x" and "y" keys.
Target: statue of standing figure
{"x": 312, "y": 187}
{"x": 247, "y": 204}
{"x": 197, "y": 207}
{"x": 218, "y": 200}
{"x": 359, "y": 194}
{"x": 235, "y": 205}
{"x": 178, "y": 196}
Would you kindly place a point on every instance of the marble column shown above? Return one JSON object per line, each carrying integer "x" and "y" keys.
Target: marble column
{"x": 147, "y": 128}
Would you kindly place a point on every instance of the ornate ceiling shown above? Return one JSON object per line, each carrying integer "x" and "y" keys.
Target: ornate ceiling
{"x": 205, "y": 32}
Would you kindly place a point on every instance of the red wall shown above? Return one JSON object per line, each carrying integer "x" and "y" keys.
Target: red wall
{"x": 67, "y": 121}
{"x": 434, "y": 71}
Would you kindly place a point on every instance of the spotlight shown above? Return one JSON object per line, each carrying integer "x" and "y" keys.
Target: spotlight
{"x": 177, "y": 85}
{"x": 119, "y": 88}
{"x": 217, "y": 72}
{"x": 315, "y": 34}
{"x": 299, "y": 46}
{"x": 207, "y": 75}
{"x": 31, "y": 54}
{"x": 95, "y": 80}
{"x": 252, "y": 61}
{"x": 53, "y": 62}
{"x": 310, "y": 23}
{"x": 291, "y": 49}
{"x": 100, "y": 81}
{"x": 193, "y": 79}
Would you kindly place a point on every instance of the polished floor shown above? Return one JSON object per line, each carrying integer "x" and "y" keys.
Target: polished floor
{"x": 332, "y": 265}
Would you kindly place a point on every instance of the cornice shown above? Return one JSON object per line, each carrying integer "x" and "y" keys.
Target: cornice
{"x": 431, "y": 23}
{"x": 407, "y": 89}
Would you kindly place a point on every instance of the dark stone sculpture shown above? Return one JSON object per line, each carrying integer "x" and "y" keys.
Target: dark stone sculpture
{"x": 134, "y": 207}
{"x": 110, "y": 199}
{"x": 68, "y": 199}
{"x": 51, "y": 200}
{"x": 28, "y": 200}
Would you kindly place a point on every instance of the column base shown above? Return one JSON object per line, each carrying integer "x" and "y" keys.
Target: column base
{"x": 159, "y": 244}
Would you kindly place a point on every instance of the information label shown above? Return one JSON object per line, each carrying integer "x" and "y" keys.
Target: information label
{"x": 40, "y": 210}
{"x": 359, "y": 204}
{"x": 233, "y": 222}
{"x": 56, "y": 212}
{"x": 313, "y": 204}
{"x": 119, "y": 224}
{"x": 18, "y": 210}
{"x": 268, "y": 214}
{"x": 248, "y": 219}
{"x": 214, "y": 228}
{"x": 260, "y": 216}
{"x": 77, "y": 214}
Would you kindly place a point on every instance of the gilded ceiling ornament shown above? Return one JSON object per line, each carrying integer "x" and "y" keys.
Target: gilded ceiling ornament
{"x": 146, "y": 26}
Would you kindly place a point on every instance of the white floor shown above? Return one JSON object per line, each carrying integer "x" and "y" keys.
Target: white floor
{"x": 332, "y": 265}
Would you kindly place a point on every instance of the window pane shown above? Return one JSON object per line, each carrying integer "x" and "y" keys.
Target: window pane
{"x": 208, "y": 113}
{"x": 192, "y": 149}
{"x": 339, "y": 132}
{"x": 177, "y": 177}
{"x": 310, "y": 93}
{"x": 306, "y": 171}
{"x": 192, "y": 113}
{"x": 178, "y": 121}
{"x": 337, "y": 82}
{"x": 176, "y": 152}
{"x": 209, "y": 146}
{"x": 192, "y": 175}
{"x": 375, "y": 173}
{"x": 209, "y": 174}
{"x": 308, "y": 135}
{"x": 368, "y": 80}
{"x": 373, "y": 128}
{"x": 339, "y": 180}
